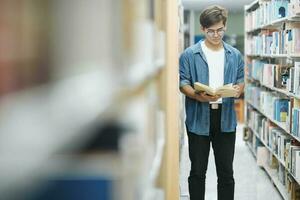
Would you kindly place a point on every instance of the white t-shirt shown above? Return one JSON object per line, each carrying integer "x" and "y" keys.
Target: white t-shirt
{"x": 215, "y": 61}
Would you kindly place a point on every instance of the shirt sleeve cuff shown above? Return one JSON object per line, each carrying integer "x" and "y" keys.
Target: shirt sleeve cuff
{"x": 241, "y": 80}
{"x": 184, "y": 82}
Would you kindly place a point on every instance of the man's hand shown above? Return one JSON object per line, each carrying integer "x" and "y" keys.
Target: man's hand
{"x": 203, "y": 97}
{"x": 239, "y": 90}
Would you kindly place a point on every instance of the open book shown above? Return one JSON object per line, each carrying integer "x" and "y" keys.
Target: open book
{"x": 223, "y": 91}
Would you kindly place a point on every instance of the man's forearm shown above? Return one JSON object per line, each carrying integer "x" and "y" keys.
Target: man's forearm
{"x": 242, "y": 86}
{"x": 188, "y": 91}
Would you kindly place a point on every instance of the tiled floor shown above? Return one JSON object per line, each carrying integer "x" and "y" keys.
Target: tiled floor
{"x": 251, "y": 182}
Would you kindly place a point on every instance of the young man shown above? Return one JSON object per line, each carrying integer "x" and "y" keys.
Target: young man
{"x": 211, "y": 119}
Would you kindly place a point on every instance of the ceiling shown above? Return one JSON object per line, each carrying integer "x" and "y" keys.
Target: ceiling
{"x": 231, "y": 5}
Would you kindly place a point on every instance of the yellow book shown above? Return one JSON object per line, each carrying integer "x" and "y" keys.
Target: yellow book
{"x": 223, "y": 91}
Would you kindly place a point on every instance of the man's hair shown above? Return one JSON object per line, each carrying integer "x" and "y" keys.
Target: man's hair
{"x": 213, "y": 15}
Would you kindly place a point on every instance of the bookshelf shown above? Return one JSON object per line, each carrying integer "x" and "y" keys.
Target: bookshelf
{"x": 188, "y": 27}
{"x": 271, "y": 99}
{"x": 182, "y": 39}
{"x": 273, "y": 175}
{"x": 91, "y": 96}
{"x": 271, "y": 151}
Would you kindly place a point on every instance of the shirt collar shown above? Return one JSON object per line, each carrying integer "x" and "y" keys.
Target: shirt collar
{"x": 198, "y": 49}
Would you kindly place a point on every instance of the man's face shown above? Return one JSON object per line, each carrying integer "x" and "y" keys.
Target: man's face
{"x": 215, "y": 33}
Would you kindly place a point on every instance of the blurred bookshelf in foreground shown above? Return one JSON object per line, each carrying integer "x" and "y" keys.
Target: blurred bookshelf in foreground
{"x": 85, "y": 92}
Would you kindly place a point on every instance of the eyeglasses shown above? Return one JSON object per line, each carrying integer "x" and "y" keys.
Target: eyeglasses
{"x": 220, "y": 32}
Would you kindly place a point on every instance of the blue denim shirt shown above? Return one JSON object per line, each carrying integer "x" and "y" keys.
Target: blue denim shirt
{"x": 193, "y": 68}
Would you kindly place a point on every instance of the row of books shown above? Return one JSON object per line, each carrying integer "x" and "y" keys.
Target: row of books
{"x": 267, "y": 159}
{"x": 286, "y": 149}
{"x": 252, "y": 94}
{"x": 272, "y": 75}
{"x": 267, "y": 12}
{"x": 264, "y": 128}
{"x": 275, "y": 75}
{"x": 275, "y": 42}
{"x": 254, "y": 119}
{"x": 291, "y": 186}
{"x": 284, "y": 111}
{"x": 273, "y": 106}
{"x": 255, "y": 69}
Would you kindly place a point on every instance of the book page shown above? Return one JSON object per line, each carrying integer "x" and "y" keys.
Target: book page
{"x": 204, "y": 88}
{"x": 224, "y": 91}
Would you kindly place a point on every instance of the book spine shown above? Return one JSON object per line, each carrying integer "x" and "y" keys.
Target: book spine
{"x": 297, "y": 175}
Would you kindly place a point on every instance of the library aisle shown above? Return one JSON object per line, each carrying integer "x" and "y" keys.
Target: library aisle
{"x": 90, "y": 106}
{"x": 267, "y": 164}
{"x": 251, "y": 182}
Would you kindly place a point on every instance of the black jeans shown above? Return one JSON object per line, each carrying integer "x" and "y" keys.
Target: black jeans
{"x": 223, "y": 145}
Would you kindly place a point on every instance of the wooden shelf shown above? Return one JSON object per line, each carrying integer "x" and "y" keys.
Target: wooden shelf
{"x": 276, "y": 156}
{"x": 251, "y": 149}
{"x": 252, "y": 5}
{"x": 281, "y": 91}
{"x": 271, "y": 173}
{"x": 279, "y": 124}
{"x": 275, "y": 23}
{"x": 285, "y": 56}
{"x": 273, "y": 176}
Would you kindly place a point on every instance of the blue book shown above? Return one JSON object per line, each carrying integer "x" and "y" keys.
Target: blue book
{"x": 295, "y": 122}
{"x": 281, "y": 109}
{"x": 83, "y": 188}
